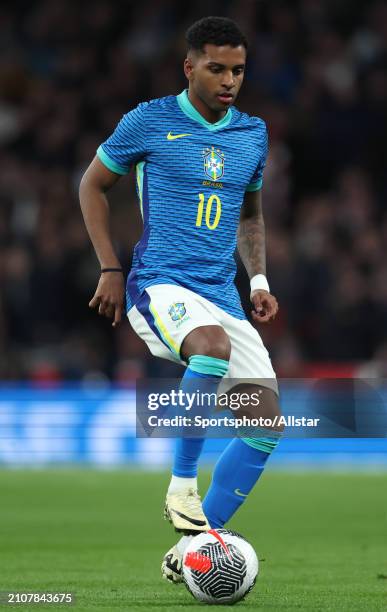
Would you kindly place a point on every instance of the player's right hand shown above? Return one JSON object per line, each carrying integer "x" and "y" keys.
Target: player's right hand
{"x": 109, "y": 296}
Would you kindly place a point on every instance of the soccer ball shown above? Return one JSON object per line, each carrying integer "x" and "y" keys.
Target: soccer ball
{"x": 219, "y": 567}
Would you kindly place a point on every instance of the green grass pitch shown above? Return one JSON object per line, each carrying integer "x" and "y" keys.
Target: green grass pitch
{"x": 321, "y": 539}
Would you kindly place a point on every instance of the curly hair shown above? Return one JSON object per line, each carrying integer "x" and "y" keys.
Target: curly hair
{"x": 214, "y": 31}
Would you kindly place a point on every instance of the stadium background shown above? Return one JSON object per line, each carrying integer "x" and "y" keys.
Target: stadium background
{"x": 68, "y": 71}
{"x": 316, "y": 73}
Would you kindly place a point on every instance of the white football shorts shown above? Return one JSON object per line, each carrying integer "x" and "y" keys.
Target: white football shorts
{"x": 166, "y": 314}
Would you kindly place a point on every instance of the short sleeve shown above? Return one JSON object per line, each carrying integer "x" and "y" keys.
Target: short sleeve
{"x": 126, "y": 145}
{"x": 257, "y": 178}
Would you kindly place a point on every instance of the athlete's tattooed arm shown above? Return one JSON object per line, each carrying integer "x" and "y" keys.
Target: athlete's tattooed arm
{"x": 251, "y": 234}
{"x": 252, "y": 250}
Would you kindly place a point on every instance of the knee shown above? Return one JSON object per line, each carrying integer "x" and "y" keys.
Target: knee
{"x": 217, "y": 345}
{"x": 219, "y": 350}
{"x": 211, "y": 341}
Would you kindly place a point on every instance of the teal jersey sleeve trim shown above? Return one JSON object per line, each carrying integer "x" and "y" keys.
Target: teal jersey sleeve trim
{"x": 255, "y": 186}
{"x": 109, "y": 163}
{"x": 203, "y": 364}
{"x": 140, "y": 183}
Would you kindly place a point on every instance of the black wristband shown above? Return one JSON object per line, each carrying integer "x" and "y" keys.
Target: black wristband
{"x": 111, "y": 270}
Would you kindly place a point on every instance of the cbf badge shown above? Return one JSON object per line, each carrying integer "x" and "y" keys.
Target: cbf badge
{"x": 213, "y": 163}
{"x": 177, "y": 311}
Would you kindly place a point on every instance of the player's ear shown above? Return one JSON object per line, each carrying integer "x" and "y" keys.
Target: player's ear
{"x": 188, "y": 67}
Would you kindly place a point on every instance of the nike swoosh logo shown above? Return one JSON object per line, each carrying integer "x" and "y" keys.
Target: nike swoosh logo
{"x": 238, "y": 492}
{"x": 187, "y": 518}
{"x": 171, "y": 136}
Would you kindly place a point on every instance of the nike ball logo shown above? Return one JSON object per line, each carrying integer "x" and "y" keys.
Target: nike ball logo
{"x": 171, "y": 136}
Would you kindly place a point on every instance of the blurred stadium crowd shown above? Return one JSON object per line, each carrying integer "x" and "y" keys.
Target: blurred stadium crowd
{"x": 317, "y": 73}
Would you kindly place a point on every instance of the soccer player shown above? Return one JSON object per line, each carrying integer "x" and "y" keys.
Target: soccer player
{"x": 199, "y": 164}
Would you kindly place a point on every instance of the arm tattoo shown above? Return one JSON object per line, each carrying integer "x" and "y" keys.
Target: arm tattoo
{"x": 251, "y": 244}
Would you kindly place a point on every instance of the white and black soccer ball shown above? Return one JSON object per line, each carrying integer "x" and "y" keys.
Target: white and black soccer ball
{"x": 219, "y": 567}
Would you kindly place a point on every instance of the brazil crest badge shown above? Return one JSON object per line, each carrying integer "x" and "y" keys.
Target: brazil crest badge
{"x": 177, "y": 311}
{"x": 213, "y": 163}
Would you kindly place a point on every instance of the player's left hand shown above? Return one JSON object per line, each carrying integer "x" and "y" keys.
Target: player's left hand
{"x": 265, "y": 306}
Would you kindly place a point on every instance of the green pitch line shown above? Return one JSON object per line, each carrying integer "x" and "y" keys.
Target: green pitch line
{"x": 321, "y": 539}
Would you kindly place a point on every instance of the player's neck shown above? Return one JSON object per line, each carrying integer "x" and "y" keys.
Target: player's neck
{"x": 209, "y": 115}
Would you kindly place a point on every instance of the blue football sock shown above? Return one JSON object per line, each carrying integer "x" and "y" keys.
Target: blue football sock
{"x": 203, "y": 374}
{"x": 235, "y": 474}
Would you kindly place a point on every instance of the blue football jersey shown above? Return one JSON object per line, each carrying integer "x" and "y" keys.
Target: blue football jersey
{"x": 191, "y": 179}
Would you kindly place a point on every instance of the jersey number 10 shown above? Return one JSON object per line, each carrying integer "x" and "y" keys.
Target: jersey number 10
{"x": 211, "y": 200}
